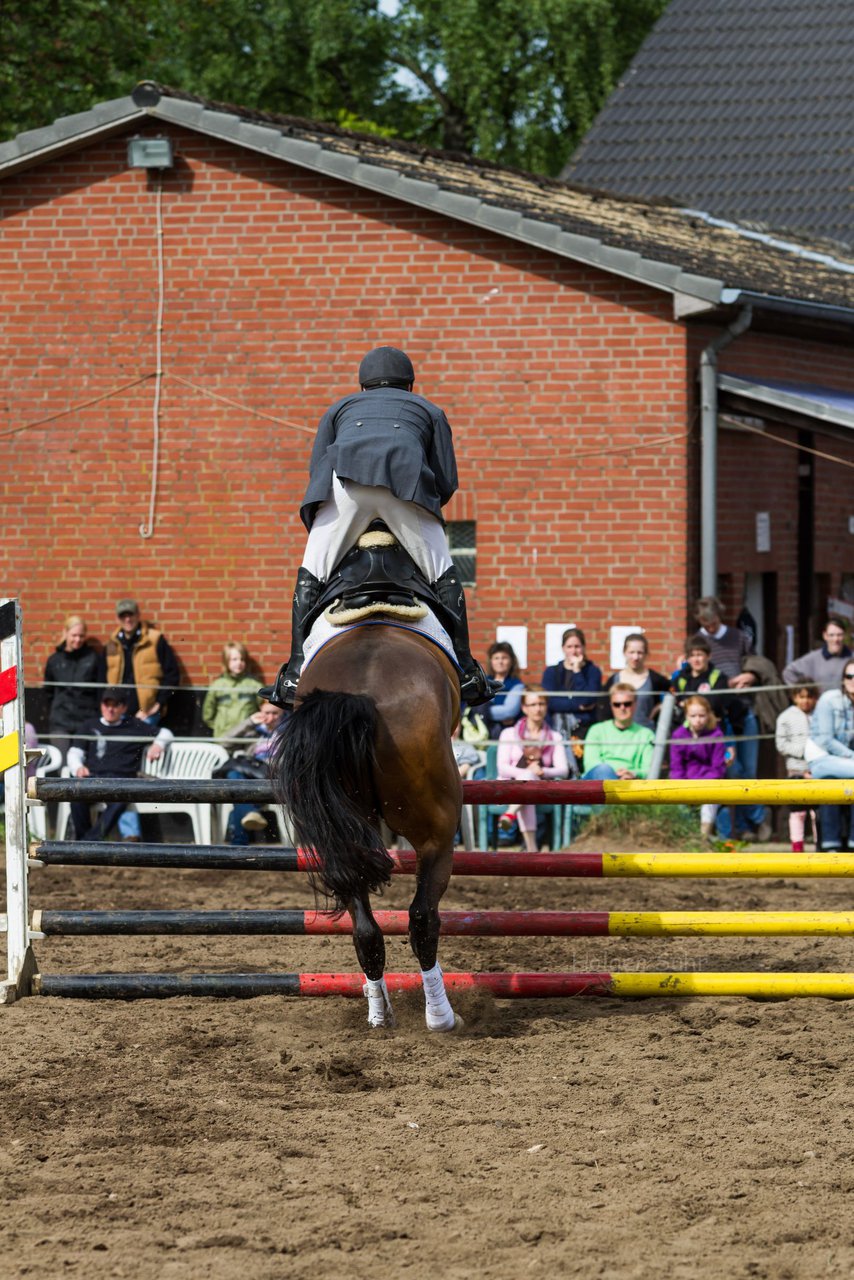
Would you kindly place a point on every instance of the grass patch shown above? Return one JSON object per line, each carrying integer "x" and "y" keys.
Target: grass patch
{"x": 665, "y": 826}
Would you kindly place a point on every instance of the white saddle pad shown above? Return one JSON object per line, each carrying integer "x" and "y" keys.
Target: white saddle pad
{"x": 323, "y": 631}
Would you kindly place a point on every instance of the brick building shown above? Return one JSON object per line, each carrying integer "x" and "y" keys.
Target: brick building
{"x": 561, "y": 330}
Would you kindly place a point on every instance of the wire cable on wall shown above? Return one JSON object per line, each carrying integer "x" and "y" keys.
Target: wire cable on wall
{"x": 146, "y": 529}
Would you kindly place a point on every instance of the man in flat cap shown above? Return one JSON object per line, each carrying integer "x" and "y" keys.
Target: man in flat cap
{"x": 139, "y": 657}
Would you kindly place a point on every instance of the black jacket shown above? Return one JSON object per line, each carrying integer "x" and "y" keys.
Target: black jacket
{"x": 386, "y": 437}
{"x": 68, "y": 705}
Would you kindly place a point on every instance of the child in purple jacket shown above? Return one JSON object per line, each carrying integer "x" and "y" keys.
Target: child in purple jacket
{"x": 697, "y": 751}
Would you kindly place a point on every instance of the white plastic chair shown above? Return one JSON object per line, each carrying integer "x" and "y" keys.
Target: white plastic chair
{"x": 180, "y": 760}
{"x": 50, "y": 761}
{"x": 185, "y": 760}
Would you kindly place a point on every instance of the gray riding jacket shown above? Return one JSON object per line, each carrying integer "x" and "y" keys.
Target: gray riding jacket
{"x": 387, "y": 437}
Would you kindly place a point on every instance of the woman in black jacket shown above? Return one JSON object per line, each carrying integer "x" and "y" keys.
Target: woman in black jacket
{"x": 649, "y": 685}
{"x": 72, "y": 665}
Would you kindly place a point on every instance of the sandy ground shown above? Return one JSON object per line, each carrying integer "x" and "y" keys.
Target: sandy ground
{"x": 278, "y": 1138}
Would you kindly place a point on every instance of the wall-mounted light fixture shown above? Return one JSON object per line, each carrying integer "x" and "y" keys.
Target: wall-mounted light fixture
{"x": 150, "y": 153}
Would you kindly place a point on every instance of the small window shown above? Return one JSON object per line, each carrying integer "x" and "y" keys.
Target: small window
{"x": 461, "y": 540}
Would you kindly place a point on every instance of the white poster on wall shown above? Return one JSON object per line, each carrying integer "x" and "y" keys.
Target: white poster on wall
{"x": 763, "y": 530}
{"x": 618, "y": 639}
{"x": 554, "y": 631}
{"x": 517, "y": 637}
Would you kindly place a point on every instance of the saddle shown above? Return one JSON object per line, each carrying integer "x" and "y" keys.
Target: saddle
{"x": 378, "y": 572}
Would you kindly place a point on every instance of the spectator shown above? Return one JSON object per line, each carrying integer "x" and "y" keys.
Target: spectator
{"x": 697, "y": 751}
{"x": 530, "y": 749}
{"x": 729, "y": 645}
{"x": 822, "y": 666}
{"x": 112, "y": 746}
{"x": 649, "y": 685}
{"x": 791, "y": 736}
{"x": 233, "y": 695}
{"x": 467, "y": 757}
{"x": 503, "y": 711}
{"x": 619, "y": 748}
{"x": 830, "y": 753}
{"x": 577, "y": 678}
{"x": 256, "y": 734}
{"x": 473, "y": 729}
{"x": 70, "y": 668}
{"x": 698, "y": 674}
{"x": 140, "y": 658}
{"x": 730, "y": 649}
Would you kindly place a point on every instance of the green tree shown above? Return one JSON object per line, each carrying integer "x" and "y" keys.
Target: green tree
{"x": 517, "y": 81}
{"x": 322, "y": 59}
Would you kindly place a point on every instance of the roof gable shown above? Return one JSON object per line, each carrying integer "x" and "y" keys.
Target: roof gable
{"x": 742, "y": 109}
{"x": 687, "y": 254}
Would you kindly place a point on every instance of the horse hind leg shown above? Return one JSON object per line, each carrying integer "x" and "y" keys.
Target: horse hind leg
{"x": 434, "y": 872}
{"x": 370, "y": 949}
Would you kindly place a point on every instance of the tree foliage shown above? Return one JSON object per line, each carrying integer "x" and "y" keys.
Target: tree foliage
{"x": 517, "y": 81}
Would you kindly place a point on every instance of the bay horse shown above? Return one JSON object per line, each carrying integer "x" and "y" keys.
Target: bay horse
{"x": 370, "y": 739}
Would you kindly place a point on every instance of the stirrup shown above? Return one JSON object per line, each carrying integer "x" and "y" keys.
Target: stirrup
{"x": 477, "y": 687}
{"x": 282, "y": 693}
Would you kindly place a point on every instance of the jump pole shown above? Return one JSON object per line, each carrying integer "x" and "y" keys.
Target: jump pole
{"x": 455, "y": 924}
{"x": 527, "y": 986}
{"x": 725, "y": 791}
{"x": 741, "y": 864}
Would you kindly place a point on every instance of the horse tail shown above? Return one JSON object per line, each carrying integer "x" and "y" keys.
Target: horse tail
{"x": 323, "y": 772}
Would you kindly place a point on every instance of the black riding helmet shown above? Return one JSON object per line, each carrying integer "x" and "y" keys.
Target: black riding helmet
{"x": 386, "y": 367}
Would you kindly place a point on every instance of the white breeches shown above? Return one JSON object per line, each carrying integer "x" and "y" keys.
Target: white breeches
{"x": 350, "y": 509}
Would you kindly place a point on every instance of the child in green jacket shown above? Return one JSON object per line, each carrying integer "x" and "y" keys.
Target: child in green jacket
{"x": 233, "y": 695}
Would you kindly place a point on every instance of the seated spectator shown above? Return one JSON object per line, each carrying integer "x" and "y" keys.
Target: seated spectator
{"x": 233, "y": 694}
{"x": 503, "y": 666}
{"x": 112, "y": 746}
{"x": 697, "y": 751}
{"x": 791, "y": 737}
{"x": 474, "y": 729}
{"x": 731, "y": 650}
{"x": 830, "y": 753}
{"x": 530, "y": 749}
{"x": 822, "y": 666}
{"x": 140, "y": 658}
{"x": 69, "y": 670}
{"x": 618, "y": 748}
{"x": 466, "y": 756}
{"x": 577, "y": 678}
{"x": 253, "y": 741}
{"x": 699, "y": 675}
{"x": 649, "y": 685}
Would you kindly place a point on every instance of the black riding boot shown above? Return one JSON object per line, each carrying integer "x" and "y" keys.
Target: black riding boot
{"x": 475, "y": 687}
{"x": 306, "y": 595}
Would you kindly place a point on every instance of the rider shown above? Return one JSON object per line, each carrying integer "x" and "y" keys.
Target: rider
{"x": 381, "y": 453}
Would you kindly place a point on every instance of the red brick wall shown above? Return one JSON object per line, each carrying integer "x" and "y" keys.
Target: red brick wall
{"x": 276, "y": 282}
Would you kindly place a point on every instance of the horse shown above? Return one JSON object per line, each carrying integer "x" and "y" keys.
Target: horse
{"x": 369, "y": 739}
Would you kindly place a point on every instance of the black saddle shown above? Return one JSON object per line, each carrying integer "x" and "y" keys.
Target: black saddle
{"x": 378, "y": 575}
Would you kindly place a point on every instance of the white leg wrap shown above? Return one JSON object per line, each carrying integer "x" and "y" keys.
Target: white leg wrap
{"x": 440, "y": 1015}
{"x": 380, "y": 1012}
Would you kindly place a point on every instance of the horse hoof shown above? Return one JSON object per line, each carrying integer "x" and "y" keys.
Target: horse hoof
{"x": 451, "y": 1027}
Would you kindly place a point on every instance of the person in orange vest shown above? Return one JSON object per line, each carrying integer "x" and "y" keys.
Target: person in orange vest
{"x": 140, "y": 658}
